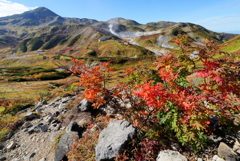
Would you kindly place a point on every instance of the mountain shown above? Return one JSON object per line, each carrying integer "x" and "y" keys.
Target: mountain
{"x": 40, "y": 17}
{"x": 14, "y": 29}
{"x": 42, "y": 29}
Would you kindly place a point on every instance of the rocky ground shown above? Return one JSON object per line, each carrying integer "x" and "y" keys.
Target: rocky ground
{"x": 47, "y": 130}
{"x": 34, "y": 140}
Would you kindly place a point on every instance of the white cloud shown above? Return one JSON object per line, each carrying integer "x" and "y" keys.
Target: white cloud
{"x": 9, "y": 8}
{"x": 221, "y": 23}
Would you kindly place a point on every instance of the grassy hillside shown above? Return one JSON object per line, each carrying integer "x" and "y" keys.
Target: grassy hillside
{"x": 232, "y": 45}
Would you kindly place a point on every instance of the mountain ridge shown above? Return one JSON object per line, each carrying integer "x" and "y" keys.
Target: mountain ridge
{"x": 42, "y": 29}
{"x": 41, "y": 16}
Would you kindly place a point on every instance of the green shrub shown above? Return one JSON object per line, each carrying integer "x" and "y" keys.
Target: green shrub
{"x": 52, "y": 42}
{"x": 54, "y": 76}
{"x": 91, "y": 53}
{"x": 12, "y": 107}
{"x": 3, "y": 132}
{"x": 74, "y": 40}
{"x": 38, "y": 70}
{"x": 190, "y": 137}
{"x": 44, "y": 95}
{"x": 177, "y": 31}
{"x": 63, "y": 41}
{"x": 55, "y": 84}
{"x": 23, "y": 45}
{"x": 35, "y": 43}
{"x": 17, "y": 80}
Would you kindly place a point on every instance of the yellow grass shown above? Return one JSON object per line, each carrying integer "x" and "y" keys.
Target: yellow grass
{"x": 31, "y": 89}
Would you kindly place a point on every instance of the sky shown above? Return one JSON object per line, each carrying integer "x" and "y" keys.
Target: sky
{"x": 215, "y": 15}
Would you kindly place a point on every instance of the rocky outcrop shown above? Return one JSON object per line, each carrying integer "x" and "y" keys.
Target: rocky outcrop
{"x": 38, "y": 128}
{"x": 31, "y": 116}
{"x": 74, "y": 127}
{"x": 34, "y": 139}
{"x": 236, "y": 147}
{"x": 64, "y": 145}
{"x": 73, "y": 131}
{"x": 11, "y": 145}
{"x": 170, "y": 155}
{"x": 226, "y": 152}
{"x": 85, "y": 105}
{"x": 113, "y": 139}
{"x": 217, "y": 158}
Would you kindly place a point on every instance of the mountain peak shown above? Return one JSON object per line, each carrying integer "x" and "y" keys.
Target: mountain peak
{"x": 38, "y": 17}
{"x": 122, "y": 21}
{"x": 42, "y": 10}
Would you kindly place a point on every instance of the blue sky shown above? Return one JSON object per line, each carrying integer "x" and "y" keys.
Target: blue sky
{"x": 216, "y": 15}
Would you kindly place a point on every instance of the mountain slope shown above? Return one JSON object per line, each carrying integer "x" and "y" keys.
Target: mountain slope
{"x": 42, "y": 29}
{"x": 232, "y": 45}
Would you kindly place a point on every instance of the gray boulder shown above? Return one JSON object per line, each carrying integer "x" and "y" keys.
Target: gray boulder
{"x": 74, "y": 127}
{"x": 217, "y": 158}
{"x": 170, "y": 155}
{"x": 54, "y": 126}
{"x": 85, "y": 105}
{"x": 22, "y": 111}
{"x": 40, "y": 104}
{"x": 112, "y": 139}
{"x": 64, "y": 145}
{"x": 31, "y": 116}
{"x": 43, "y": 127}
{"x": 43, "y": 159}
{"x": 38, "y": 128}
{"x": 11, "y": 145}
{"x": 66, "y": 99}
{"x": 9, "y": 135}
{"x": 236, "y": 147}
{"x": 27, "y": 125}
{"x": 224, "y": 151}
{"x": 48, "y": 119}
{"x": 215, "y": 138}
